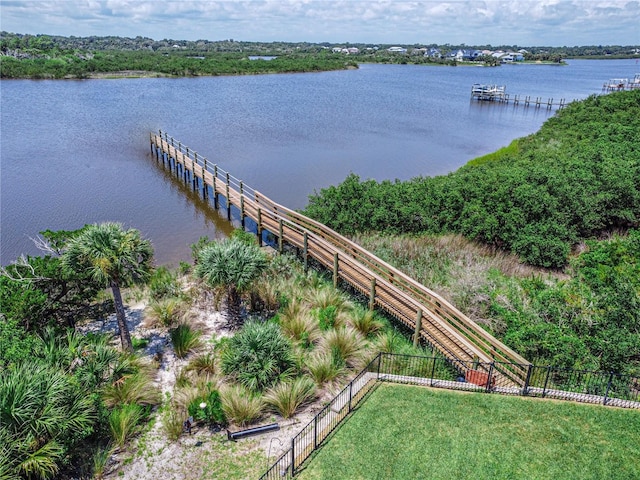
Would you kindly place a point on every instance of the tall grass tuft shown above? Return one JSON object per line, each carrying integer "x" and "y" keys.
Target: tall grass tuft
{"x": 184, "y": 339}
{"x": 287, "y": 397}
{"x": 204, "y": 365}
{"x": 365, "y": 321}
{"x": 172, "y": 422}
{"x": 301, "y": 327}
{"x": 325, "y": 296}
{"x": 123, "y": 421}
{"x": 99, "y": 461}
{"x": 241, "y": 406}
{"x": 137, "y": 388}
{"x": 346, "y": 345}
{"x": 165, "y": 312}
{"x": 323, "y": 368}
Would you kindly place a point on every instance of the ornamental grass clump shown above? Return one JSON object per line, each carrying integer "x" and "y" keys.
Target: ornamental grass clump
{"x": 123, "y": 421}
{"x": 324, "y": 368}
{"x": 287, "y": 397}
{"x": 204, "y": 365}
{"x": 240, "y": 405}
{"x": 137, "y": 388}
{"x": 184, "y": 340}
{"x": 347, "y": 346}
{"x": 365, "y": 321}
{"x": 165, "y": 312}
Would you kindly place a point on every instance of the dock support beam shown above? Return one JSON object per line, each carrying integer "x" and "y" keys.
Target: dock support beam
{"x": 372, "y": 294}
{"x": 416, "y": 332}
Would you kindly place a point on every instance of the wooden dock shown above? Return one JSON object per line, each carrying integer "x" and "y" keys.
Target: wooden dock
{"x": 497, "y": 93}
{"x": 431, "y": 318}
{"x": 620, "y": 84}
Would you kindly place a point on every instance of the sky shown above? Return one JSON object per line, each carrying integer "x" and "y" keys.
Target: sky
{"x": 470, "y": 22}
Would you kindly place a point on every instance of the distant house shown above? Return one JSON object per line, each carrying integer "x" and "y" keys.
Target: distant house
{"x": 397, "y": 50}
{"x": 352, "y": 50}
{"x": 508, "y": 57}
{"x": 433, "y": 53}
{"x": 465, "y": 55}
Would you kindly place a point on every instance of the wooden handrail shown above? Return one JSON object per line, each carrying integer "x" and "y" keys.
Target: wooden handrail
{"x": 442, "y": 325}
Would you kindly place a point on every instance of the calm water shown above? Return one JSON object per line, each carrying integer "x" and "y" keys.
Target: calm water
{"x": 76, "y": 152}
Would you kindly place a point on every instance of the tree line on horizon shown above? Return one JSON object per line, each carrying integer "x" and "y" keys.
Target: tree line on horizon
{"x": 49, "y": 56}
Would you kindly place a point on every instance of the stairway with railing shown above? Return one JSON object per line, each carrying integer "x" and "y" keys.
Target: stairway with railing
{"x": 431, "y": 317}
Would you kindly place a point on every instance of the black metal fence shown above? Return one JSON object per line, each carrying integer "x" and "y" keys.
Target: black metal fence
{"x": 541, "y": 381}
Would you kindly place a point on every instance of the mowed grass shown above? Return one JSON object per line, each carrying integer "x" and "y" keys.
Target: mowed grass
{"x": 404, "y": 432}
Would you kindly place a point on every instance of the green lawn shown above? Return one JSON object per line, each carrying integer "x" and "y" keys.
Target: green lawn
{"x": 404, "y": 432}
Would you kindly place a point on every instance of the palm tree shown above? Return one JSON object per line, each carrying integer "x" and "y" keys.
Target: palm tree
{"x": 113, "y": 256}
{"x": 234, "y": 265}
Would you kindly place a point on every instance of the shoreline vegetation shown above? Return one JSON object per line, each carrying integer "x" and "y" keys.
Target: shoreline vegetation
{"x": 55, "y": 57}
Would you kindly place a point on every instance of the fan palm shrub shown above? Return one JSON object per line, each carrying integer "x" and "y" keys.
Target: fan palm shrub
{"x": 233, "y": 264}
{"x": 44, "y": 415}
{"x": 240, "y": 405}
{"x": 258, "y": 355}
{"x": 184, "y": 340}
{"x": 116, "y": 258}
{"x": 287, "y": 397}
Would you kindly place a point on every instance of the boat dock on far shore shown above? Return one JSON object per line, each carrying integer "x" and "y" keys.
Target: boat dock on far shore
{"x": 617, "y": 84}
{"x": 497, "y": 93}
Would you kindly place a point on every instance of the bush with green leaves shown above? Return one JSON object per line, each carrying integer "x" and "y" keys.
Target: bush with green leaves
{"x": 234, "y": 265}
{"x": 258, "y": 356}
{"x": 212, "y": 413}
{"x": 164, "y": 283}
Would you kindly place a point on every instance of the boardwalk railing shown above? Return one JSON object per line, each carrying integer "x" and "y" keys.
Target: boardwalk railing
{"x": 432, "y": 318}
{"x": 542, "y": 381}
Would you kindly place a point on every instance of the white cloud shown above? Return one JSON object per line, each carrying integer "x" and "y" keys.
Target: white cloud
{"x": 523, "y": 22}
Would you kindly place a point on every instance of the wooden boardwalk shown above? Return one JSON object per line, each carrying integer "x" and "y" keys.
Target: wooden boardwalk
{"x": 432, "y": 318}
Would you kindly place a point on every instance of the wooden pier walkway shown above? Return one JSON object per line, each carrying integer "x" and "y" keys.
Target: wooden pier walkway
{"x": 432, "y": 318}
{"x": 497, "y": 93}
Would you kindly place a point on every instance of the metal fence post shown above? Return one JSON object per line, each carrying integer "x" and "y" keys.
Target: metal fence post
{"x": 544, "y": 389}
{"x": 606, "y": 394}
{"x": 525, "y": 389}
{"x": 293, "y": 457}
{"x": 433, "y": 370}
{"x": 488, "y": 386}
{"x": 379, "y": 362}
{"x": 315, "y": 432}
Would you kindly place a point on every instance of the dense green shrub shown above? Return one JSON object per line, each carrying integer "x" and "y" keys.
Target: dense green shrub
{"x": 258, "y": 355}
{"x": 212, "y": 413}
